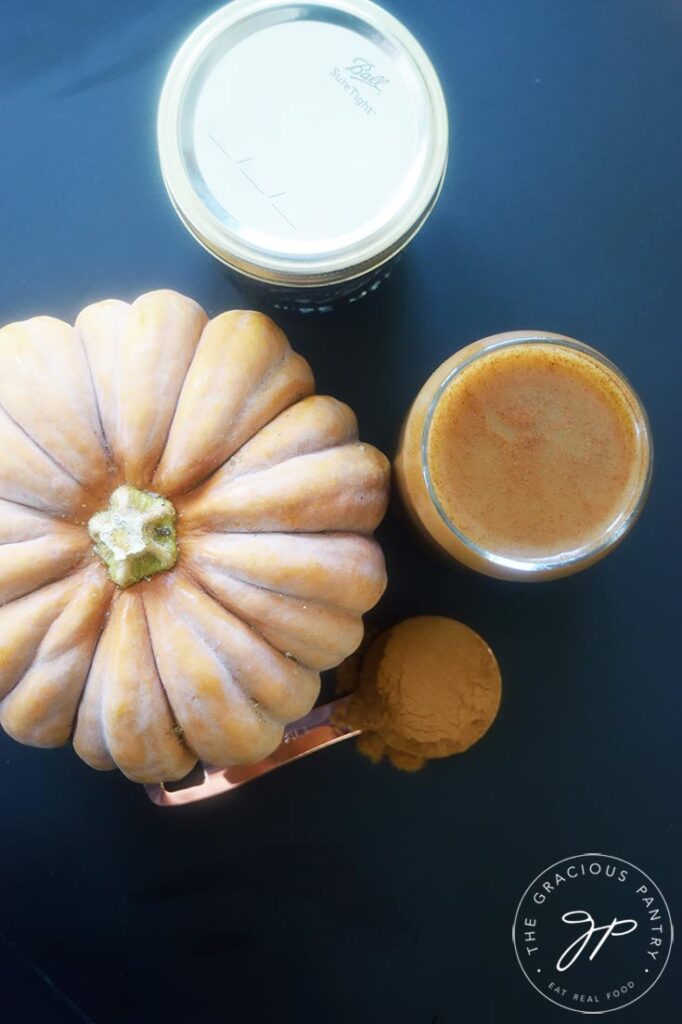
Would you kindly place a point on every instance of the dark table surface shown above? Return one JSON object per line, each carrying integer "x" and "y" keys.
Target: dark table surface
{"x": 337, "y": 891}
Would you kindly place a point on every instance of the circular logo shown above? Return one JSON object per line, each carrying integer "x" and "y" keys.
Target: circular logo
{"x": 592, "y": 933}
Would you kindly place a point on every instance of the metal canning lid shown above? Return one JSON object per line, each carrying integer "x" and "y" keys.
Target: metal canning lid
{"x": 302, "y": 143}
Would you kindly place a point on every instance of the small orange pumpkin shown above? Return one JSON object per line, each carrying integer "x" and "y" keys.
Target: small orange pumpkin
{"x": 184, "y": 535}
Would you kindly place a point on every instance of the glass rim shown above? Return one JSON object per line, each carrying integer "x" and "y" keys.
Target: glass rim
{"x": 625, "y": 519}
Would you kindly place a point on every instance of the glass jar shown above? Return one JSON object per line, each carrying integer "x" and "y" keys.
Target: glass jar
{"x": 533, "y": 466}
{"x": 303, "y": 144}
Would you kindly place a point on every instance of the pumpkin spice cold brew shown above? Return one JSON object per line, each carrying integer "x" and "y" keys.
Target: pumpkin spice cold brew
{"x": 525, "y": 456}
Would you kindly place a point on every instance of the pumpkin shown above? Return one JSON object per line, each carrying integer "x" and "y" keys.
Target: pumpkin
{"x": 184, "y": 535}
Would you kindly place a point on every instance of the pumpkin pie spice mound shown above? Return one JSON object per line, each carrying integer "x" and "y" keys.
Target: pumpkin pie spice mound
{"x": 428, "y": 687}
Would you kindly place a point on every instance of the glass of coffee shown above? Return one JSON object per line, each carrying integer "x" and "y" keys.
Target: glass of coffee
{"x": 525, "y": 456}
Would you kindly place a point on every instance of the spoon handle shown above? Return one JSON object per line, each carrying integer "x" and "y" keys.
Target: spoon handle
{"x": 314, "y": 732}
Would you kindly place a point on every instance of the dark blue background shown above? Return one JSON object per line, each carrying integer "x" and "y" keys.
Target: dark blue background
{"x": 337, "y": 891}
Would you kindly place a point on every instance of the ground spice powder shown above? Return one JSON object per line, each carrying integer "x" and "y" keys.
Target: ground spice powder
{"x": 428, "y": 687}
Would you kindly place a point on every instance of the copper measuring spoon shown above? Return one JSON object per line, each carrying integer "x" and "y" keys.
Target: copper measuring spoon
{"x": 313, "y": 732}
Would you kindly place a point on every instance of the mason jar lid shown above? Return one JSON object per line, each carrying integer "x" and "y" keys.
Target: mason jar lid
{"x": 302, "y": 143}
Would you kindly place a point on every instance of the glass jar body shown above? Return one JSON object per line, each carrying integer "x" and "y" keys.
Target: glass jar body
{"x": 417, "y": 491}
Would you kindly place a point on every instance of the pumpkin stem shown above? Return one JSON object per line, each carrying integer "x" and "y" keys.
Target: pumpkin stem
{"x": 135, "y": 536}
